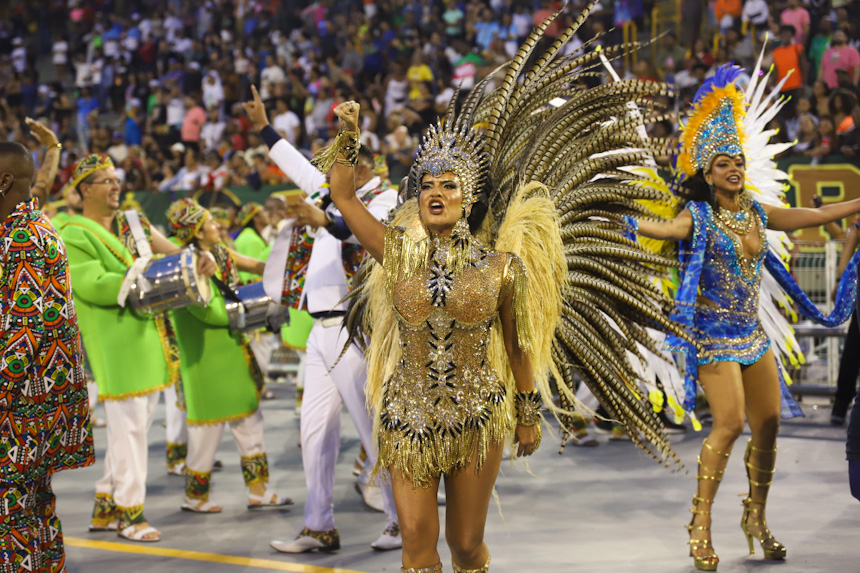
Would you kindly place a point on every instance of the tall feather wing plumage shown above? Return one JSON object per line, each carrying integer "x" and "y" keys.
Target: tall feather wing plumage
{"x": 583, "y": 152}
{"x": 768, "y": 185}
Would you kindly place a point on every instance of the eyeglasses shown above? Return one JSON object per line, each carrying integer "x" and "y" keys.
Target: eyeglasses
{"x": 107, "y": 182}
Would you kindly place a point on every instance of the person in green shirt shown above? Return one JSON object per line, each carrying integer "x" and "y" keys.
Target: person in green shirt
{"x": 819, "y": 44}
{"x": 220, "y": 376}
{"x": 252, "y": 219}
{"x": 132, "y": 355}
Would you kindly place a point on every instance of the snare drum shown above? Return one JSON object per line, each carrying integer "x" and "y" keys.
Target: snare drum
{"x": 169, "y": 283}
{"x": 255, "y": 310}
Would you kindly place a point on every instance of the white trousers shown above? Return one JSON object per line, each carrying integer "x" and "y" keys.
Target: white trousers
{"x": 327, "y": 390}
{"x": 128, "y": 423}
{"x": 263, "y": 345}
{"x": 92, "y": 394}
{"x": 176, "y": 431}
{"x": 203, "y": 441}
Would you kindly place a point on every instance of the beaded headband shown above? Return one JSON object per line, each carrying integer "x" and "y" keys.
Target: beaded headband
{"x": 248, "y": 212}
{"x": 87, "y": 166}
{"x": 186, "y": 217}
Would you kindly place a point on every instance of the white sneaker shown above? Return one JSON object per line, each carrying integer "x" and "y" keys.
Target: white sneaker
{"x": 177, "y": 469}
{"x": 307, "y": 541}
{"x": 371, "y": 494}
{"x": 390, "y": 539}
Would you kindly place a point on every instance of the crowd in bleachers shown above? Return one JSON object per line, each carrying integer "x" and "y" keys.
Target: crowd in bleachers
{"x": 157, "y": 84}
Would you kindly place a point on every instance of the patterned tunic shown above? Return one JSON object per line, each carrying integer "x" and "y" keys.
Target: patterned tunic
{"x": 44, "y": 421}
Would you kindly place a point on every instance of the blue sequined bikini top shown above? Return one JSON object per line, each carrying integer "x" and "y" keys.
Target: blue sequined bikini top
{"x": 729, "y": 279}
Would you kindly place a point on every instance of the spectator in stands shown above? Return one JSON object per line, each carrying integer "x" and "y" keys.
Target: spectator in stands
{"x": 818, "y": 45}
{"x": 189, "y": 178}
{"x": 807, "y": 137}
{"x": 136, "y": 177}
{"x": 841, "y": 104}
{"x": 286, "y": 122}
{"x": 820, "y": 98}
{"x": 418, "y": 72}
{"x": 212, "y": 131}
{"x": 118, "y": 149}
{"x": 840, "y": 55}
{"x": 849, "y": 142}
{"x": 192, "y": 122}
{"x": 790, "y": 61}
{"x": 671, "y": 58}
{"x": 802, "y": 107}
{"x": 797, "y": 16}
{"x": 844, "y": 83}
{"x": 702, "y": 53}
{"x": 486, "y": 30}
{"x": 727, "y": 12}
{"x": 398, "y": 147}
{"x": 756, "y": 12}
{"x": 826, "y": 138}
{"x": 134, "y": 122}
{"x": 454, "y": 20}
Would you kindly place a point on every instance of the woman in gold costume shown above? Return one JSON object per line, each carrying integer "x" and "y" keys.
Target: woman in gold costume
{"x": 445, "y": 312}
{"x": 496, "y": 275}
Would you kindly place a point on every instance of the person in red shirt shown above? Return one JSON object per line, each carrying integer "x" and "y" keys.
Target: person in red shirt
{"x": 730, "y": 10}
{"x": 788, "y": 59}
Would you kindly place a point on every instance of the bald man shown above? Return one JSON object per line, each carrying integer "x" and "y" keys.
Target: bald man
{"x": 44, "y": 416}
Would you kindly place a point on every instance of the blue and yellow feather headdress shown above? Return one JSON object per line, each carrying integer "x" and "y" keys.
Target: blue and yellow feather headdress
{"x": 715, "y": 124}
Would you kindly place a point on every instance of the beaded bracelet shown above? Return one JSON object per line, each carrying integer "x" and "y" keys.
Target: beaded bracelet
{"x": 528, "y": 407}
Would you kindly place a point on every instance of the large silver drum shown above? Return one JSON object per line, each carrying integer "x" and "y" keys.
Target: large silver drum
{"x": 255, "y": 310}
{"x": 169, "y": 283}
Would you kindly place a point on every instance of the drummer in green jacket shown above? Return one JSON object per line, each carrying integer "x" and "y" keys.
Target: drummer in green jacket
{"x": 220, "y": 375}
{"x": 252, "y": 218}
{"x": 131, "y": 355}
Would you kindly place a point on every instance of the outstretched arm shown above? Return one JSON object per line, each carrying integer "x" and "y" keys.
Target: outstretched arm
{"x": 781, "y": 219}
{"x": 369, "y": 231}
{"x": 248, "y": 264}
{"x": 678, "y": 229}
{"x": 50, "y": 163}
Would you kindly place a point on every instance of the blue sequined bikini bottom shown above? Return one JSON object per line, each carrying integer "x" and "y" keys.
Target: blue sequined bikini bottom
{"x": 729, "y": 336}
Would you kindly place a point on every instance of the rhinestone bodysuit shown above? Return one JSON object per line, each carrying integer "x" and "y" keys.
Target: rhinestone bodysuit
{"x": 445, "y": 404}
{"x": 727, "y": 316}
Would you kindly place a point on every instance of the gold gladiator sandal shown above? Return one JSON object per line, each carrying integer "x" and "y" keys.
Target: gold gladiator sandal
{"x": 709, "y": 482}
{"x": 484, "y": 569}
{"x": 432, "y": 569}
{"x": 760, "y": 463}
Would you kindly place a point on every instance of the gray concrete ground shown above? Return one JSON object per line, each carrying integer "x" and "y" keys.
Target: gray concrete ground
{"x": 592, "y": 510}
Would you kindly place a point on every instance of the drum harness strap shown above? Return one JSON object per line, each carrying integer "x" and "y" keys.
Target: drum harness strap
{"x": 144, "y": 254}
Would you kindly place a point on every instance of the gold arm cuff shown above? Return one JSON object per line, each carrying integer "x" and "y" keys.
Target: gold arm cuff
{"x": 346, "y": 143}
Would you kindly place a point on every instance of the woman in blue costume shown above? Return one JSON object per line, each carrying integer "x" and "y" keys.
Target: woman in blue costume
{"x": 724, "y": 251}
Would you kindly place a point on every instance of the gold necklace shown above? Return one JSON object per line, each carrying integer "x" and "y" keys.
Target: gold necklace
{"x": 740, "y": 222}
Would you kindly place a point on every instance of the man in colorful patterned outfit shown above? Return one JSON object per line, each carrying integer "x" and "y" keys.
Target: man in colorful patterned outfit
{"x": 44, "y": 420}
{"x": 102, "y": 247}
